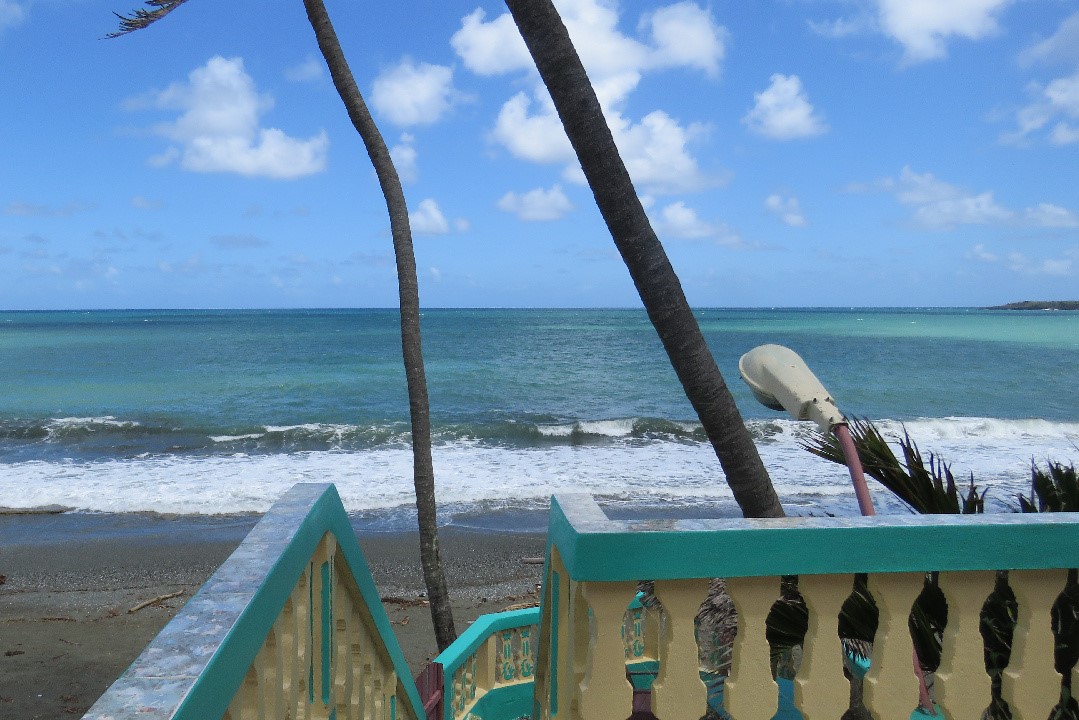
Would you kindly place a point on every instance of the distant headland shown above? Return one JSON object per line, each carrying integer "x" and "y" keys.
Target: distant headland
{"x": 1039, "y": 305}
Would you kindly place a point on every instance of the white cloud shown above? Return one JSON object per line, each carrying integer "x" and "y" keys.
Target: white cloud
{"x": 537, "y": 205}
{"x": 427, "y": 219}
{"x": 923, "y": 26}
{"x": 1062, "y": 46}
{"x": 679, "y": 221}
{"x": 685, "y": 35}
{"x": 1059, "y": 267}
{"x": 783, "y": 112}
{"x": 404, "y": 156}
{"x": 1049, "y": 216}
{"x": 1058, "y": 101}
{"x": 1018, "y": 262}
{"x": 538, "y": 137}
{"x": 841, "y": 27}
{"x": 656, "y": 148}
{"x": 789, "y": 210}
{"x": 490, "y": 48}
{"x": 218, "y": 130}
{"x": 11, "y": 14}
{"x": 411, "y": 94}
{"x": 309, "y": 70}
{"x": 435, "y": 273}
{"x": 938, "y": 205}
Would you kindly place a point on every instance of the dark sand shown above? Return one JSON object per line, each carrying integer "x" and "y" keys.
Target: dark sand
{"x": 69, "y": 582}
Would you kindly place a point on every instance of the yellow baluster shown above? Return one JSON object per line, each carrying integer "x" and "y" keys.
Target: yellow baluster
{"x": 1031, "y": 684}
{"x": 821, "y": 691}
{"x": 678, "y": 691}
{"x": 605, "y": 692}
{"x": 891, "y": 687}
{"x": 963, "y": 688}
{"x": 750, "y": 692}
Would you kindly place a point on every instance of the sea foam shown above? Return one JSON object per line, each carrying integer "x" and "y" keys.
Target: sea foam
{"x": 472, "y": 474}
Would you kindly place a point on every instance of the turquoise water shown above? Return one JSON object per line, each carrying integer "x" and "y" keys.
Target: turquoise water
{"x": 195, "y": 411}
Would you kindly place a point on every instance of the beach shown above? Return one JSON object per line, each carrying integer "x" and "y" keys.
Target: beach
{"x": 71, "y": 580}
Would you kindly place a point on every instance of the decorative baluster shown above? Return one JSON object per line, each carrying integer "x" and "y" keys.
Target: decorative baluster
{"x": 820, "y": 687}
{"x": 1065, "y": 616}
{"x": 678, "y": 691}
{"x": 505, "y": 667}
{"x": 1030, "y": 678}
{"x": 604, "y": 691}
{"x": 527, "y": 657}
{"x": 891, "y": 687}
{"x": 751, "y": 693}
{"x": 962, "y": 686}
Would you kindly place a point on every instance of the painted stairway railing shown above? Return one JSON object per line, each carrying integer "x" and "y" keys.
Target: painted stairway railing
{"x": 290, "y": 626}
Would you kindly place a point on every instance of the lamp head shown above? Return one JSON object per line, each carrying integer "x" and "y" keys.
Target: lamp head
{"x": 780, "y": 380}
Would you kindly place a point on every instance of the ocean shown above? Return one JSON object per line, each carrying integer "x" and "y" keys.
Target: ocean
{"x": 219, "y": 412}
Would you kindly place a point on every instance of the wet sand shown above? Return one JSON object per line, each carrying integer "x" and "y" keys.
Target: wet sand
{"x": 69, "y": 582}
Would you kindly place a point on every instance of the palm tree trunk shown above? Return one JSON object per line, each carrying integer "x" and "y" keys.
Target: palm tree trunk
{"x": 652, "y": 273}
{"x": 424, "y": 476}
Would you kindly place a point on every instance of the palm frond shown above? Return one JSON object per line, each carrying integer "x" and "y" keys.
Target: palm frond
{"x": 1054, "y": 491}
{"x": 140, "y": 18}
{"x": 926, "y": 486}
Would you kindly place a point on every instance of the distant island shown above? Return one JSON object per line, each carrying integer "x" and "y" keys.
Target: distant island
{"x": 1039, "y": 305}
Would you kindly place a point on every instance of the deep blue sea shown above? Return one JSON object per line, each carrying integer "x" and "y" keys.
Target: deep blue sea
{"x": 203, "y": 412}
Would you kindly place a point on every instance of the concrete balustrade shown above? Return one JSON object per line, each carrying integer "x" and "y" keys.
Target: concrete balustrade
{"x": 291, "y": 625}
{"x": 594, "y": 565}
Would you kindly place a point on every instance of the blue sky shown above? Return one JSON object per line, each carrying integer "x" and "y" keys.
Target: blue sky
{"x": 790, "y": 153}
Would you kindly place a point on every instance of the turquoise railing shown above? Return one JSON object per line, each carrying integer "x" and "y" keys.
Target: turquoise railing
{"x": 595, "y": 565}
{"x": 290, "y": 626}
{"x": 488, "y": 671}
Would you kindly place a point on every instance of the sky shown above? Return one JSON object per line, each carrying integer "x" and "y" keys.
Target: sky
{"x": 789, "y": 153}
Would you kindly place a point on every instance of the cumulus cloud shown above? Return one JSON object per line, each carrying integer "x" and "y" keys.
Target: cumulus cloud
{"x": 783, "y": 112}
{"x": 789, "y": 210}
{"x": 537, "y": 205}
{"x": 1060, "y": 47}
{"x": 677, "y": 220}
{"x": 218, "y": 129}
{"x": 922, "y": 27}
{"x": 11, "y": 14}
{"x": 1053, "y": 112}
{"x": 685, "y": 35}
{"x": 413, "y": 94}
{"x": 490, "y": 48}
{"x": 682, "y": 35}
{"x": 939, "y": 205}
{"x": 404, "y": 157}
{"x": 307, "y": 71}
{"x": 427, "y": 219}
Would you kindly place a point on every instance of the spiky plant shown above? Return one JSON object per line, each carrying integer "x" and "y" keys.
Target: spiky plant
{"x": 1054, "y": 491}
{"x": 927, "y": 487}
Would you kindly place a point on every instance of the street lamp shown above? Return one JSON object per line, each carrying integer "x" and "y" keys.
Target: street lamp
{"x": 780, "y": 380}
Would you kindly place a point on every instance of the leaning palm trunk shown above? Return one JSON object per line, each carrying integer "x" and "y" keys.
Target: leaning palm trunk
{"x": 652, "y": 273}
{"x": 423, "y": 473}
